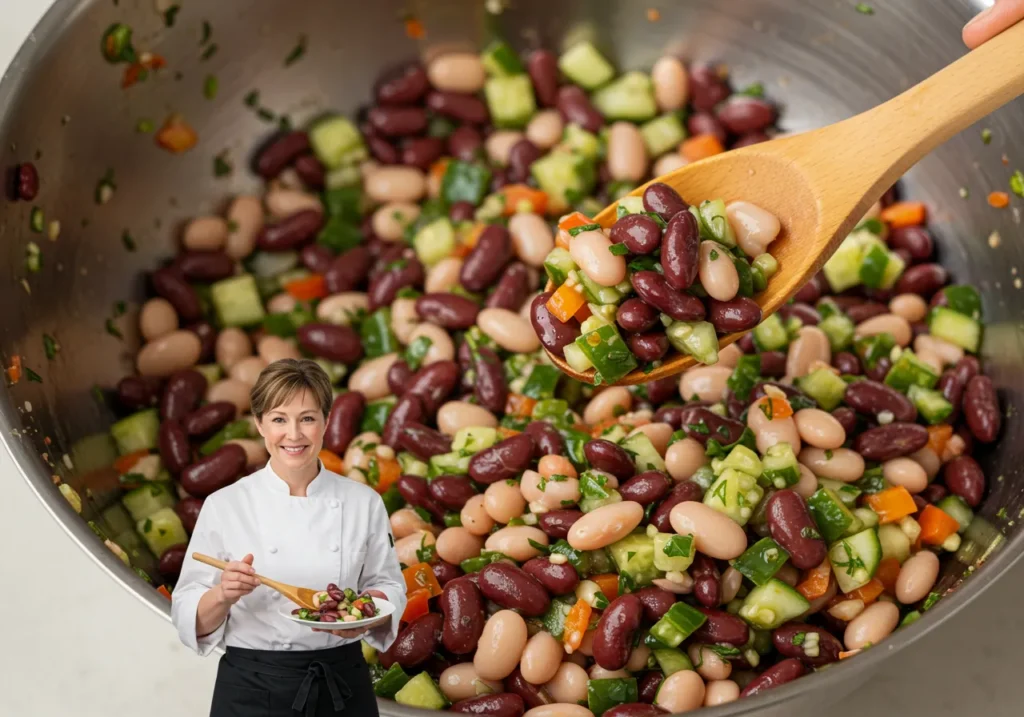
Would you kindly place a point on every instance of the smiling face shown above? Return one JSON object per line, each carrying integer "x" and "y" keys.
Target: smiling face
{"x": 294, "y": 431}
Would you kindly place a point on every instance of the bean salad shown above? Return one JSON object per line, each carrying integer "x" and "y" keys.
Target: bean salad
{"x": 335, "y": 604}
{"x": 571, "y": 550}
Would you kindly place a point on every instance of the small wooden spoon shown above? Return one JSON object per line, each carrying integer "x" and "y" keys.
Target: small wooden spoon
{"x": 303, "y": 597}
{"x": 820, "y": 183}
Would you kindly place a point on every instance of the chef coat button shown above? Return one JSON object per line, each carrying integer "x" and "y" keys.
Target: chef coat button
{"x": 334, "y": 503}
{"x": 334, "y": 548}
{"x": 286, "y": 646}
{"x": 272, "y": 549}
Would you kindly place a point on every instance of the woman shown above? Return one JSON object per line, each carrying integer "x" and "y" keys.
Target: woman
{"x": 301, "y": 524}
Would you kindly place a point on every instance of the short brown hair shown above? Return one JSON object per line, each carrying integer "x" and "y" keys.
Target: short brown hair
{"x": 284, "y": 378}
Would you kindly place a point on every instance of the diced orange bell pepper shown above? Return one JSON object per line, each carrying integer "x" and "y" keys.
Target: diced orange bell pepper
{"x": 601, "y": 426}
{"x": 892, "y": 504}
{"x": 576, "y": 623}
{"x": 519, "y": 405}
{"x": 609, "y": 584}
{"x": 583, "y": 313}
{"x": 573, "y": 220}
{"x": 414, "y": 28}
{"x": 438, "y": 169}
{"x": 389, "y": 471}
{"x": 518, "y": 196}
{"x": 868, "y": 592}
{"x": 773, "y": 407}
{"x": 176, "y": 136}
{"x": 700, "y": 147}
{"x": 308, "y": 288}
{"x": 938, "y": 437}
{"x": 506, "y": 432}
{"x": 815, "y": 582}
{"x": 418, "y": 603}
{"x": 14, "y": 370}
{"x": 936, "y": 525}
{"x": 888, "y": 571}
{"x": 164, "y": 591}
{"x": 999, "y": 200}
{"x": 845, "y": 654}
{"x": 332, "y": 461}
{"x": 565, "y": 302}
{"x": 125, "y": 463}
{"x": 420, "y": 576}
{"x": 903, "y": 214}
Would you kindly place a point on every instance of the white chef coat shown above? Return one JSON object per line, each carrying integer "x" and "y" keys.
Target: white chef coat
{"x": 338, "y": 533}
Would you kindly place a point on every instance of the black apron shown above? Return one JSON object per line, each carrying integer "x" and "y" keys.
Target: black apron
{"x": 310, "y": 683}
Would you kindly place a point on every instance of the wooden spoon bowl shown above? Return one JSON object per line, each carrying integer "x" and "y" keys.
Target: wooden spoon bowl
{"x": 820, "y": 183}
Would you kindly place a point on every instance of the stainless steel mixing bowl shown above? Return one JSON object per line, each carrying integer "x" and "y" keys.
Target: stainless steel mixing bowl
{"x": 62, "y": 107}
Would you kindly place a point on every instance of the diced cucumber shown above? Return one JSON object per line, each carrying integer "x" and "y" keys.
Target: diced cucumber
{"x": 594, "y": 322}
{"x": 435, "y": 241}
{"x": 631, "y": 205}
{"x": 839, "y": 329}
{"x": 714, "y": 223}
{"x": 613, "y": 433}
{"x": 474, "y": 439}
{"x": 873, "y": 264}
{"x": 576, "y": 359}
{"x": 931, "y": 404}
{"x": 558, "y": 264}
{"x": 830, "y": 514}
{"x": 963, "y": 299}
{"x": 673, "y": 552}
{"x": 94, "y": 451}
{"x": 237, "y": 301}
{"x": 578, "y": 140}
{"x": 585, "y": 66}
{"x": 630, "y": 97}
{"x": 846, "y": 492}
{"x": 956, "y": 328}
{"x": 740, "y": 458}
{"x": 422, "y": 692}
{"x": 768, "y": 606}
{"x": 781, "y": 468}
{"x": 662, "y": 134}
{"x": 594, "y": 293}
{"x": 116, "y": 519}
{"x": 564, "y": 177}
{"x": 336, "y": 142}
{"x": 842, "y": 270}
{"x": 957, "y": 508}
{"x": 734, "y": 493}
{"x": 909, "y": 370}
{"x": 771, "y": 334}
{"x": 893, "y": 271}
{"x": 162, "y": 530}
{"x": 411, "y": 465}
{"x": 695, "y": 338}
{"x": 761, "y": 561}
{"x": 139, "y": 555}
{"x": 894, "y": 542}
{"x": 137, "y": 432}
{"x": 500, "y": 60}
{"x": 453, "y": 463}
{"x": 671, "y": 660}
{"x": 867, "y": 517}
{"x": 824, "y": 387}
{"x": 607, "y": 351}
{"x": 643, "y": 452}
{"x": 855, "y": 559}
{"x": 510, "y": 100}
{"x": 588, "y": 504}
{"x": 635, "y": 554}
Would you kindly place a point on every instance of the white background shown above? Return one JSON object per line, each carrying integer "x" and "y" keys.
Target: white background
{"x": 75, "y": 643}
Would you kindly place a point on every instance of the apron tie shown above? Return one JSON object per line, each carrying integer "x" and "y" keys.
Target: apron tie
{"x": 309, "y": 691}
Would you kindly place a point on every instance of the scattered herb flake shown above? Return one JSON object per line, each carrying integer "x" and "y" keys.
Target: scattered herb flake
{"x": 252, "y": 98}
{"x": 210, "y": 85}
{"x": 986, "y": 136}
{"x": 221, "y": 166}
{"x": 618, "y": 250}
{"x": 120, "y": 308}
{"x": 297, "y": 52}
{"x": 798, "y": 639}
{"x": 264, "y": 114}
{"x": 113, "y": 330}
{"x": 964, "y": 193}
{"x": 864, "y": 9}
{"x": 50, "y": 346}
{"x": 97, "y": 394}
{"x": 207, "y": 31}
{"x": 1017, "y": 183}
{"x": 33, "y": 258}
{"x": 35, "y": 220}
{"x": 209, "y": 52}
{"x": 105, "y": 187}
{"x": 754, "y": 90}
{"x": 144, "y": 126}
{"x": 170, "y": 15}
{"x": 32, "y": 375}
{"x": 128, "y": 240}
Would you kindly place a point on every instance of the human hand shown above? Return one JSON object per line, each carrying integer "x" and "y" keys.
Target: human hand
{"x": 991, "y": 21}
{"x": 237, "y": 580}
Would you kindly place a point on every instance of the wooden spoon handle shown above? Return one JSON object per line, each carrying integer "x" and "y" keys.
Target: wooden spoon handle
{"x": 280, "y": 587}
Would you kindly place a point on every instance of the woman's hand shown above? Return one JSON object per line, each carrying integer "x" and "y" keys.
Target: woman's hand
{"x": 356, "y": 631}
{"x": 992, "y": 20}
{"x": 237, "y": 580}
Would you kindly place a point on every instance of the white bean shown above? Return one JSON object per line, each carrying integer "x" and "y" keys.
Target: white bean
{"x": 205, "y": 234}
{"x": 244, "y": 220}
{"x": 886, "y": 324}
{"x": 603, "y": 405}
{"x": 283, "y": 203}
{"x": 668, "y": 163}
{"x": 819, "y": 428}
{"x": 499, "y": 144}
{"x": 671, "y": 83}
{"x": 443, "y": 276}
{"x": 715, "y": 534}
{"x": 707, "y": 383}
{"x": 508, "y": 330}
{"x": 917, "y": 577}
{"x": 717, "y": 273}
{"x": 810, "y": 346}
{"x": 390, "y": 220}
{"x": 545, "y": 129}
{"x": 371, "y": 378}
{"x": 755, "y": 228}
{"x": 404, "y": 318}
{"x": 396, "y": 184}
{"x": 627, "y": 154}
{"x": 441, "y": 346}
{"x": 591, "y": 252}
{"x": 157, "y": 318}
{"x": 342, "y": 308}
{"x": 461, "y": 72}
{"x": 532, "y": 238}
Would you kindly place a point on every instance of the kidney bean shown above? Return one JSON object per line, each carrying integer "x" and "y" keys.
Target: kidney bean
{"x": 707, "y": 582}
{"x": 489, "y": 386}
{"x": 291, "y": 232}
{"x": 872, "y": 397}
{"x": 348, "y": 270}
{"x": 26, "y": 181}
{"x": 916, "y": 241}
{"x": 847, "y": 362}
{"x": 613, "y": 638}
{"x": 891, "y": 441}
{"x": 981, "y": 409}
{"x": 663, "y": 201}
{"x": 501, "y": 704}
{"x": 452, "y": 492}
{"x": 461, "y": 212}
{"x": 171, "y": 561}
{"x": 706, "y": 123}
{"x": 724, "y": 430}
{"x": 423, "y": 442}
{"x": 778, "y": 674}
{"x": 681, "y": 492}
{"x": 648, "y": 347}
{"x": 422, "y": 152}
{"x": 343, "y": 421}
{"x": 847, "y": 419}
{"x": 533, "y": 695}
{"x": 934, "y": 493}
{"x": 672, "y": 415}
{"x": 511, "y": 587}
{"x": 449, "y": 311}
{"x": 655, "y": 601}
{"x": 721, "y": 627}
{"x": 811, "y": 291}
{"x": 867, "y": 310}
{"x": 317, "y": 258}
{"x": 773, "y": 363}
{"x": 952, "y": 390}
{"x": 522, "y": 154}
{"x": 415, "y": 643}
{"x": 397, "y": 121}
{"x": 635, "y": 709}
{"x": 465, "y": 108}
{"x": 610, "y": 458}
{"x": 575, "y": 107}
{"x": 512, "y": 289}
{"x": 922, "y": 279}
{"x": 416, "y": 491}
{"x": 967, "y": 368}
{"x": 382, "y": 150}
{"x": 169, "y": 284}
{"x": 648, "y": 685}
{"x": 661, "y": 390}
{"x": 636, "y": 316}
{"x": 506, "y": 459}
{"x": 557, "y": 579}
{"x": 791, "y": 527}
{"x": 445, "y": 572}
{"x": 402, "y": 86}
{"x": 556, "y": 523}
{"x": 465, "y": 143}
{"x": 707, "y": 88}
{"x": 965, "y": 478}
{"x": 680, "y": 254}
{"x": 739, "y": 314}
{"x": 742, "y": 114}
{"x": 182, "y": 393}
{"x": 207, "y": 339}
{"x": 805, "y": 312}
{"x": 646, "y": 488}
{"x": 462, "y": 606}
{"x": 542, "y": 66}
{"x": 485, "y": 263}
{"x": 434, "y": 383}
{"x": 749, "y": 139}
{"x": 546, "y": 439}
{"x": 330, "y": 341}
{"x": 408, "y": 409}
{"x": 639, "y": 233}
{"x": 280, "y": 151}
{"x": 174, "y": 448}
{"x": 499, "y": 178}
{"x": 552, "y": 333}
{"x": 221, "y": 468}
{"x": 654, "y": 289}
{"x": 137, "y": 392}
{"x": 188, "y": 510}
{"x": 205, "y": 265}
{"x": 310, "y": 171}
{"x": 880, "y": 370}
{"x": 828, "y": 646}
{"x": 385, "y": 286}
{"x": 209, "y": 418}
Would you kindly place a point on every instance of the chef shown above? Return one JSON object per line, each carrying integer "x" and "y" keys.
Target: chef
{"x": 297, "y": 522}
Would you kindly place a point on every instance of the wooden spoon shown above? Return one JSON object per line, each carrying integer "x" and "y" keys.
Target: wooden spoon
{"x": 820, "y": 183}
{"x": 303, "y": 597}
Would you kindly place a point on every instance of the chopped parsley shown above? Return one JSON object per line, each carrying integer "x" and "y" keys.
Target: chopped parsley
{"x": 170, "y": 15}
{"x": 209, "y": 52}
{"x": 297, "y": 52}
{"x": 618, "y": 250}
{"x": 50, "y": 346}
{"x": 128, "y": 241}
{"x": 1017, "y": 183}
{"x": 112, "y": 329}
{"x": 210, "y": 86}
{"x": 221, "y": 166}
{"x": 713, "y": 255}
{"x": 986, "y": 136}
{"x": 32, "y": 375}
{"x": 798, "y": 639}
{"x": 207, "y": 31}
{"x": 864, "y": 8}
